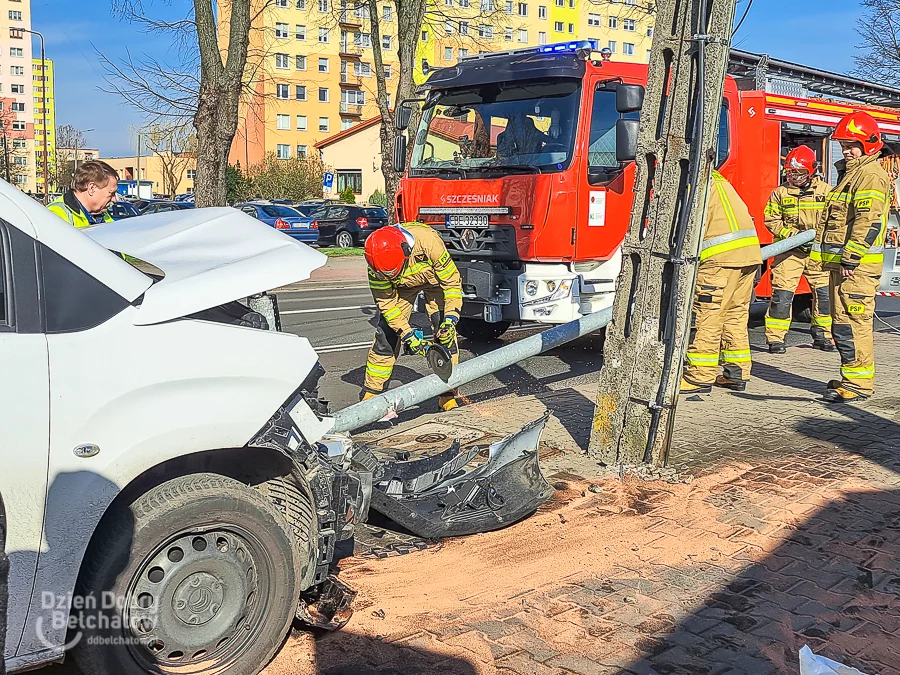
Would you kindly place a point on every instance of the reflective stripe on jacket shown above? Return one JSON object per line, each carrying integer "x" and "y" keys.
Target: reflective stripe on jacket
{"x": 855, "y": 217}
{"x": 729, "y": 239}
{"x": 68, "y": 208}
{"x": 791, "y": 210}
{"x": 429, "y": 265}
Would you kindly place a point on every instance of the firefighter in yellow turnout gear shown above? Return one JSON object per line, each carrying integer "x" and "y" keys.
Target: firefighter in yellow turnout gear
{"x": 793, "y": 208}
{"x": 729, "y": 259}
{"x": 405, "y": 260}
{"x": 852, "y": 250}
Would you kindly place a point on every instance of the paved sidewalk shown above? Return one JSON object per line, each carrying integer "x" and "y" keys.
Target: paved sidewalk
{"x": 780, "y": 529}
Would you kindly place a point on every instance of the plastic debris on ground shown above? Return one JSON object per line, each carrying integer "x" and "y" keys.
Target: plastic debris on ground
{"x": 812, "y": 664}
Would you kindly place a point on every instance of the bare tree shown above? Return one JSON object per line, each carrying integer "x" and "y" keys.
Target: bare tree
{"x": 176, "y": 147}
{"x": 13, "y": 148}
{"x": 878, "y": 59}
{"x": 69, "y": 140}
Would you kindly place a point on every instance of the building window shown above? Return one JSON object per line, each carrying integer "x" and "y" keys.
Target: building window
{"x": 284, "y": 122}
{"x": 542, "y": 11}
{"x": 463, "y": 53}
{"x": 17, "y": 51}
{"x": 448, "y": 27}
{"x": 629, "y": 24}
{"x": 424, "y": 36}
{"x": 323, "y": 65}
{"x": 487, "y": 5}
{"x": 283, "y": 151}
{"x": 571, "y": 27}
{"x": 301, "y": 4}
{"x": 558, "y": 26}
{"x": 323, "y": 94}
{"x": 18, "y": 89}
{"x": 523, "y": 35}
{"x": 282, "y": 61}
{"x": 387, "y": 42}
{"x": 613, "y": 22}
{"x": 508, "y": 34}
{"x": 361, "y": 69}
{"x": 350, "y": 179}
{"x": 300, "y": 62}
{"x": 485, "y": 31}
{"x": 463, "y": 27}
{"x": 388, "y": 72}
{"x": 448, "y": 3}
{"x": 346, "y": 124}
{"x": 300, "y": 92}
{"x": 523, "y": 9}
{"x": 465, "y": 4}
{"x": 301, "y": 152}
{"x": 560, "y": 3}
{"x": 631, "y": 3}
{"x": 448, "y": 53}
{"x": 542, "y": 38}
{"x": 15, "y": 15}
{"x": 300, "y": 32}
{"x": 19, "y": 143}
{"x": 16, "y": 70}
{"x": 593, "y": 19}
{"x": 301, "y": 123}
{"x": 323, "y": 124}
{"x": 353, "y": 97}
{"x": 613, "y": 46}
{"x": 18, "y": 107}
{"x": 20, "y": 161}
{"x": 282, "y": 91}
{"x": 281, "y": 30}
{"x": 281, "y": 3}
{"x": 323, "y": 6}
{"x": 509, "y": 8}
{"x": 648, "y": 56}
{"x": 628, "y": 48}
{"x": 323, "y": 35}
{"x": 191, "y": 174}
{"x": 387, "y": 13}
{"x": 362, "y": 40}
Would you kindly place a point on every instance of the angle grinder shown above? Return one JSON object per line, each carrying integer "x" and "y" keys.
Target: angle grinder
{"x": 438, "y": 357}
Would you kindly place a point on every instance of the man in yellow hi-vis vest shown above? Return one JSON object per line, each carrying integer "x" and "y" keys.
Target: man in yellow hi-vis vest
{"x": 729, "y": 259}
{"x": 405, "y": 260}
{"x": 94, "y": 187}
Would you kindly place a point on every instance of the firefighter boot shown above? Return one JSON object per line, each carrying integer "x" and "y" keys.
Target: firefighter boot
{"x": 728, "y": 383}
{"x": 824, "y": 345}
{"x": 366, "y": 395}
{"x": 691, "y": 388}
{"x": 843, "y": 395}
{"x": 777, "y": 348}
{"x": 447, "y": 402}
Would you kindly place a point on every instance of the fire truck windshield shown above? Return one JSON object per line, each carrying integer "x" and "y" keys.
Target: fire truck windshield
{"x": 526, "y": 127}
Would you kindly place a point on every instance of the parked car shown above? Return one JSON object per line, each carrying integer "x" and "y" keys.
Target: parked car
{"x": 141, "y": 204}
{"x": 122, "y": 209}
{"x": 185, "y": 197}
{"x": 347, "y": 225}
{"x": 162, "y": 207}
{"x": 284, "y": 219}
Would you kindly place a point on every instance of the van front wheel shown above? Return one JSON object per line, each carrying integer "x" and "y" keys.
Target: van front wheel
{"x": 204, "y": 573}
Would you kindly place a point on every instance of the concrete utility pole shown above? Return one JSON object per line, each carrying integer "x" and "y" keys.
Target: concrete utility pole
{"x": 645, "y": 342}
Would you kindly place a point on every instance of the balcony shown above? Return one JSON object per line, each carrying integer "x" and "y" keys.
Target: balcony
{"x": 348, "y": 19}
{"x": 350, "y": 51}
{"x": 351, "y": 109}
{"x": 350, "y": 80}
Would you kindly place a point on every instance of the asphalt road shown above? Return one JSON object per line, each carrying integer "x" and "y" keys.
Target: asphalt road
{"x": 338, "y": 321}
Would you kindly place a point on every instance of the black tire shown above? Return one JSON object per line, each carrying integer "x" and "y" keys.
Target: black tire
{"x": 480, "y": 330}
{"x": 344, "y": 239}
{"x": 206, "y": 575}
{"x": 801, "y": 310}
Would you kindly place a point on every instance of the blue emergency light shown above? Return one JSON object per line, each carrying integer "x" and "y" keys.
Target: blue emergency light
{"x": 568, "y": 46}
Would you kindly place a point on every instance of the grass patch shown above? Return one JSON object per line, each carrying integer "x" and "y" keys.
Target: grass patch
{"x": 342, "y": 252}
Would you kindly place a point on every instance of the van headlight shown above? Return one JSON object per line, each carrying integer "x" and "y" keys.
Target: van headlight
{"x": 562, "y": 291}
{"x": 531, "y": 288}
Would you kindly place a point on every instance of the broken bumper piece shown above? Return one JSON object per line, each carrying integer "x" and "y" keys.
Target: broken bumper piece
{"x": 436, "y": 497}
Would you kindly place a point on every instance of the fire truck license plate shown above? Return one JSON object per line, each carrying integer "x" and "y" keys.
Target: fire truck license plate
{"x": 467, "y": 220}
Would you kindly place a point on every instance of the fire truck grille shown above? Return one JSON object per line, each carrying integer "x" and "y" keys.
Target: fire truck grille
{"x": 497, "y": 242}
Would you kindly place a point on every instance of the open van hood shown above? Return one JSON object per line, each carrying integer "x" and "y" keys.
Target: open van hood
{"x": 209, "y": 256}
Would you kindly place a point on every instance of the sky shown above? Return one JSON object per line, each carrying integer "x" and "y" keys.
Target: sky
{"x": 817, "y": 33}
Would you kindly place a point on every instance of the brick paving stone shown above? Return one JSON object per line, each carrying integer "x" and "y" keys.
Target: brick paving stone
{"x": 521, "y": 663}
{"x": 578, "y": 664}
{"x": 526, "y": 640}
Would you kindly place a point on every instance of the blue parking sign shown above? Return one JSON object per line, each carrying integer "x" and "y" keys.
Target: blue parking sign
{"x": 328, "y": 180}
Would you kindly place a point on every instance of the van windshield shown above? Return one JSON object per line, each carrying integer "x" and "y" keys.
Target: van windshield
{"x": 496, "y": 127}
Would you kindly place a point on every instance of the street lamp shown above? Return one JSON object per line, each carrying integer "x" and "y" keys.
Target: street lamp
{"x": 16, "y": 33}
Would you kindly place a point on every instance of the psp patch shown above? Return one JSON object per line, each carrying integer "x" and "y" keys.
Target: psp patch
{"x": 856, "y": 309}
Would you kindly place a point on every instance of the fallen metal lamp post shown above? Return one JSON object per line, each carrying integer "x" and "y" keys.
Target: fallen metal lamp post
{"x": 398, "y": 399}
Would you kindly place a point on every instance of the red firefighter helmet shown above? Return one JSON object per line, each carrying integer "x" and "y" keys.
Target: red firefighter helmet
{"x": 801, "y": 158}
{"x": 387, "y": 250}
{"x": 861, "y": 127}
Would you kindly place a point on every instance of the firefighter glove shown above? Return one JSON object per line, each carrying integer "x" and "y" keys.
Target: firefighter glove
{"x": 446, "y": 332}
{"x": 415, "y": 342}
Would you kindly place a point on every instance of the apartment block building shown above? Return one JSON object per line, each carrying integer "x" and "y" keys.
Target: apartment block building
{"x": 313, "y": 69}
{"x": 16, "y": 87}
{"x": 43, "y": 97}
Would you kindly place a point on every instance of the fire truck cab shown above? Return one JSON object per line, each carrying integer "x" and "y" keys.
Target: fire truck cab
{"x": 523, "y": 162}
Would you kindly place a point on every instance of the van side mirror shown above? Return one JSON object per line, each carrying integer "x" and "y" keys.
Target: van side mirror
{"x": 626, "y": 139}
{"x": 401, "y": 119}
{"x": 400, "y": 153}
{"x": 629, "y": 98}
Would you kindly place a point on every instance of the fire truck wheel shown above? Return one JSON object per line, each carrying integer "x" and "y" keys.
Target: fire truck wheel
{"x": 480, "y": 330}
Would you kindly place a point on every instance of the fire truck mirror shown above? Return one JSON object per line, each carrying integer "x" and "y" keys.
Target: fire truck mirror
{"x": 626, "y": 140}
{"x": 401, "y": 121}
{"x": 399, "y": 153}
{"x": 629, "y": 98}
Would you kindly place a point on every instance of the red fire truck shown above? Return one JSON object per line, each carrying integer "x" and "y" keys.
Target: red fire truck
{"x": 521, "y": 162}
